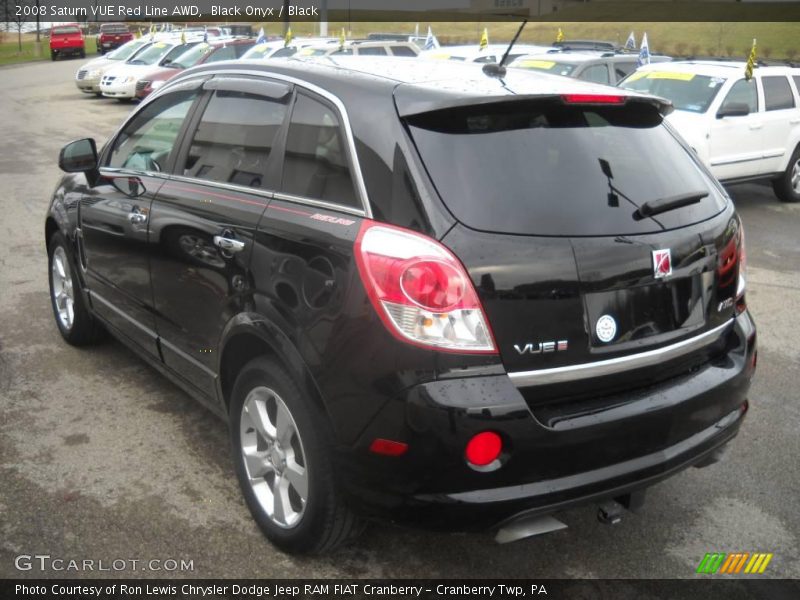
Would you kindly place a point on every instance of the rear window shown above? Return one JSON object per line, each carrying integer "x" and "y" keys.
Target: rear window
{"x": 66, "y": 31}
{"x": 111, "y": 28}
{"x": 687, "y": 91}
{"x": 545, "y": 168}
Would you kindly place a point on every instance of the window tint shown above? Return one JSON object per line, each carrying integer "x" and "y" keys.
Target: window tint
{"x": 241, "y": 49}
{"x": 777, "y": 93}
{"x": 623, "y": 69}
{"x": 687, "y": 91}
{"x": 402, "y": 51}
{"x": 146, "y": 141}
{"x": 372, "y": 51}
{"x": 234, "y": 139}
{"x": 224, "y": 53}
{"x": 283, "y": 52}
{"x": 742, "y": 92}
{"x": 595, "y": 73}
{"x": 796, "y": 79}
{"x": 315, "y": 165}
{"x": 543, "y": 168}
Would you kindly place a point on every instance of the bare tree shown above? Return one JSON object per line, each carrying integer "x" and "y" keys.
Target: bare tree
{"x": 18, "y": 20}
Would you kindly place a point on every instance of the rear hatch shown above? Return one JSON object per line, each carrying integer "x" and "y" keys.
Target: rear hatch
{"x": 66, "y": 37}
{"x": 550, "y": 196}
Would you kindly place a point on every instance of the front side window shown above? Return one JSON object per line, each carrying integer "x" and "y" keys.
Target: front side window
{"x": 148, "y": 139}
{"x": 777, "y": 93}
{"x": 315, "y": 165}
{"x": 235, "y": 138}
{"x": 742, "y": 92}
{"x": 372, "y": 51}
{"x": 403, "y": 51}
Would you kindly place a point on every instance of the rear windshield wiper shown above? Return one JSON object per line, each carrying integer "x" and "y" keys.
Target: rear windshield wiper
{"x": 656, "y": 207}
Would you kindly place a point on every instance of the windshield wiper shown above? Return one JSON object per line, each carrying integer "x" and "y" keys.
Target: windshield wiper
{"x": 656, "y": 207}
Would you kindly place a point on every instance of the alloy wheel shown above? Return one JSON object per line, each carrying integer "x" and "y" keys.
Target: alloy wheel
{"x": 273, "y": 456}
{"x": 63, "y": 295}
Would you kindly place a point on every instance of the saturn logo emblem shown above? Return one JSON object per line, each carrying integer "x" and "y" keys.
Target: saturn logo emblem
{"x": 606, "y": 328}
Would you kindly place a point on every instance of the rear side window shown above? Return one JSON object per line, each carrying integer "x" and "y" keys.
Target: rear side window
{"x": 777, "y": 93}
{"x": 743, "y": 92}
{"x": 315, "y": 165}
{"x": 547, "y": 168}
{"x": 234, "y": 139}
{"x": 148, "y": 139}
{"x": 595, "y": 73}
{"x": 402, "y": 51}
{"x": 623, "y": 69}
{"x": 372, "y": 51}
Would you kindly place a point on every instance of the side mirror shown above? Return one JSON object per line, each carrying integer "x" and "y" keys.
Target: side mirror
{"x": 733, "y": 109}
{"x": 79, "y": 156}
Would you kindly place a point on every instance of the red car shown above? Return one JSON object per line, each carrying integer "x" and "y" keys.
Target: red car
{"x": 227, "y": 49}
{"x": 112, "y": 36}
{"x": 67, "y": 39}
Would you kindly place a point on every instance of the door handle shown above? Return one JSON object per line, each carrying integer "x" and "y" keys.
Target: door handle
{"x": 137, "y": 218}
{"x": 227, "y": 244}
{"x": 756, "y": 125}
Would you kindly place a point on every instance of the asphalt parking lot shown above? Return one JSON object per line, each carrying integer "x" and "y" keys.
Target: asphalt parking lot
{"x": 102, "y": 458}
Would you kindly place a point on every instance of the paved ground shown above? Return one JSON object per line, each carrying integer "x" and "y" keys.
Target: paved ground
{"x": 101, "y": 458}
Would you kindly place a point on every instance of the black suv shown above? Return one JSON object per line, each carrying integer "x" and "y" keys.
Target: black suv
{"x": 418, "y": 292}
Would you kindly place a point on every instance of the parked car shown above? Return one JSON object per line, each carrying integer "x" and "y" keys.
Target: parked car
{"x": 279, "y": 49}
{"x": 491, "y": 54}
{"x": 120, "y": 81}
{"x": 292, "y": 248}
{"x": 89, "y": 75}
{"x": 741, "y": 130}
{"x": 608, "y": 68}
{"x": 363, "y": 48}
{"x": 67, "y": 40}
{"x": 112, "y": 36}
{"x": 204, "y": 52}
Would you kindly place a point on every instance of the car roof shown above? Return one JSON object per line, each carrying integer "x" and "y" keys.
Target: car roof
{"x": 415, "y": 90}
{"x": 718, "y": 68}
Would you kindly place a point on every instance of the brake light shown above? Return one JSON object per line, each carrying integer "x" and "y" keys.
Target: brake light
{"x": 593, "y": 99}
{"x": 741, "y": 284}
{"x": 421, "y": 291}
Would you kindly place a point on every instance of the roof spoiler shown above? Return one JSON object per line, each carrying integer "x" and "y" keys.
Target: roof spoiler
{"x": 412, "y": 103}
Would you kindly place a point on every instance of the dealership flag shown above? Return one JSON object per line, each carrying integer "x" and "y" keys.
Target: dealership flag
{"x": 431, "y": 42}
{"x": 152, "y": 31}
{"x": 289, "y": 37}
{"x": 630, "y": 44}
{"x": 484, "y": 38}
{"x": 262, "y": 37}
{"x": 560, "y": 35}
{"x": 342, "y": 39}
{"x": 751, "y": 62}
{"x": 183, "y": 37}
{"x": 644, "y": 52}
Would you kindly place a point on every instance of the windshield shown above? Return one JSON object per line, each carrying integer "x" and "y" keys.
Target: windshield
{"x": 190, "y": 57}
{"x": 259, "y": 51}
{"x": 152, "y": 55}
{"x": 125, "y": 51}
{"x": 686, "y": 91}
{"x": 543, "y": 167}
{"x": 177, "y": 51}
{"x": 551, "y": 66}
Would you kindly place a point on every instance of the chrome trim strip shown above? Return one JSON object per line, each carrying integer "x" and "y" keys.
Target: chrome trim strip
{"x": 361, "y": 188}
{"x": 616, "y": 365}
{"x": 95, "y": 296}
{"x": 193, "y": 361}
{"x": 118, "y": 172}
{"x": 319, "y": 204}
{"x": 734, "y": 161}
{"x": 224, "y": 186}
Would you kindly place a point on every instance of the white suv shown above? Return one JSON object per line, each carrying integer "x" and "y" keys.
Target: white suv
{"x": 742, "y": 130}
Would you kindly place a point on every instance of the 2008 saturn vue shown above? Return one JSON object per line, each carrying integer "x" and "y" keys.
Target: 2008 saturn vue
{"x": 430, "y": 294}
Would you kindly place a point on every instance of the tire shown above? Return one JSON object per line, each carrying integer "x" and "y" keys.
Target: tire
{"x": 52, "y": 55}
{"x": 83, "y": 53}
{"x": 288, "y": 444}
{"x": 74, "y": 322}
{"x": 787, "y": 186}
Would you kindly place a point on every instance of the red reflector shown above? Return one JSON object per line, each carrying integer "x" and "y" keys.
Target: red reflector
{"x": 387, "y": 447}
{"x": 593, "y": 99}
{"x": 484, "y": 448}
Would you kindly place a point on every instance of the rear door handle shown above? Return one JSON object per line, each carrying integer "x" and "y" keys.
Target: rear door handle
{"x": 756, "y": 125}
{"x": 227, "y": 244}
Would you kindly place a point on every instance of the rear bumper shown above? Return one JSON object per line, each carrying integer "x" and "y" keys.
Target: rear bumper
{"x": 631, "y": 445}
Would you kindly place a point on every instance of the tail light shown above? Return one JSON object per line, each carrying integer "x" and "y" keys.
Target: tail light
{"x": 593, "y": 99}
{"x": 741, "y": 284}
{"x": 421, "y": 291}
